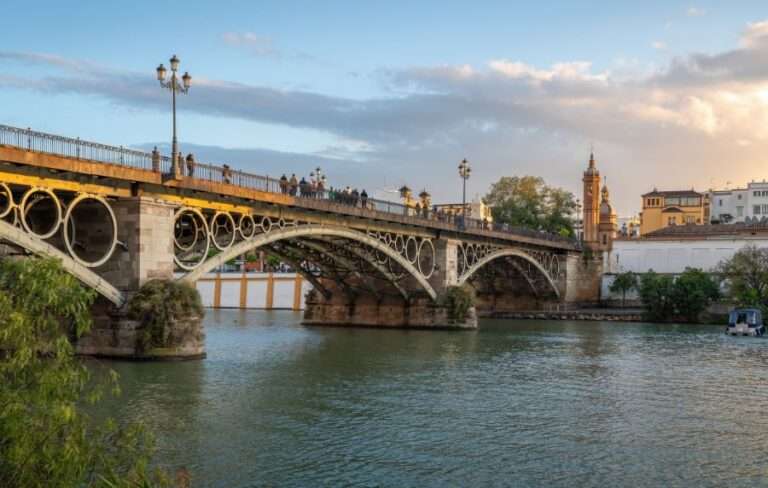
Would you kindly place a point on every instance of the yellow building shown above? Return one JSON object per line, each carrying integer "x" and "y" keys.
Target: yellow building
{"x": 475, "y": 209}
{"x": 664, "y": 208}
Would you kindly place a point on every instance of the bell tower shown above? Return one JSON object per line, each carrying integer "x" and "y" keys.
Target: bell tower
{"x": 591, "y": 199}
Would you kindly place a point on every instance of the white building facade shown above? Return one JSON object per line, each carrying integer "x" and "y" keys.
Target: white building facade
{"x": 674, "y": 255}
{"x": 748, "y": 204}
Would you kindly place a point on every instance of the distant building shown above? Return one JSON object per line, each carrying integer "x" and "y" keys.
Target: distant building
{"x": 669, "y": 208}
{"x": 747, "y": 205}
{"x": 628, "y": 227}
{"x": 476, "y": 209}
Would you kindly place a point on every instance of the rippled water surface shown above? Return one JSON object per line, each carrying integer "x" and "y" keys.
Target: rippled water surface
{"x": 516, "y": 403}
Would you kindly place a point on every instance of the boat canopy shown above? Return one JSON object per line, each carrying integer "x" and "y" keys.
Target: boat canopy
{"x": 750, "y": 316}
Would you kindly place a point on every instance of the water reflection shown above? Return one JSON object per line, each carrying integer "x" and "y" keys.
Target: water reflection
{"x": 515, "y": 403}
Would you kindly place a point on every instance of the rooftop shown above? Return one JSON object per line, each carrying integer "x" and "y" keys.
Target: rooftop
{"x": 708, "y": 230}
{"x": 673, "y": 193}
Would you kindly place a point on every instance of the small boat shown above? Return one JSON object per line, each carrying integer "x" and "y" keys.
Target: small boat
{"x": 745, "y": 322}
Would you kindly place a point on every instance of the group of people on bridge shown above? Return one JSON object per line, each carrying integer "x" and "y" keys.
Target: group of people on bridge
{"x": 315, "y": 188}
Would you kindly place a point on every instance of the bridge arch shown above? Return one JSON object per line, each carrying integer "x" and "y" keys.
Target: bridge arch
{"x": 509, "y": 253}
{"x": 309, "y": 230}
{"x": 39, "y": 247}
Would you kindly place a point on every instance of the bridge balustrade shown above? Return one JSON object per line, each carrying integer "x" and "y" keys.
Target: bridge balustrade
{"x": 80, "y": 149}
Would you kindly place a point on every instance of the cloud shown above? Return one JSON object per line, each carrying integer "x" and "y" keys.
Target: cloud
{"x": 659, "y": 45}
{"x": 253, "y": 43}
{"x": 262, "y": 46}
{"x": 695, "y": 12}
{"x": 673, "y": 126}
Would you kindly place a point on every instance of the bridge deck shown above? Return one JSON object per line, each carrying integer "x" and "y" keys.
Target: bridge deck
{"x": 40, "y": 150}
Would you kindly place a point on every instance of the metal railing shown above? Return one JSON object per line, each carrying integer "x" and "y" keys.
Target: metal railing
{"x": 118, "y": 155}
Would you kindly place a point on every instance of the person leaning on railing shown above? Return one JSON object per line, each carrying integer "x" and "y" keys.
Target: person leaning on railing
{"x": 155, "y": 160}
{"x": 190, "y": 165}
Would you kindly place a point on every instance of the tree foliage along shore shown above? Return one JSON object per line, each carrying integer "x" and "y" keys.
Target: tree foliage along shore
{"x": 526, "y": 201}
{"x": 624, "y": 283}
{"x": 746, "y": 277}
{"x": 687, "y": 297}
{"x": 46, "y": 439}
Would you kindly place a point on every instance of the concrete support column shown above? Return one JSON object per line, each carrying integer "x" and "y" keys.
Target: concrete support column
{"x": 446, "y": 257}
{"x": 583, "y": 274}
{"x": 145, "y": 227}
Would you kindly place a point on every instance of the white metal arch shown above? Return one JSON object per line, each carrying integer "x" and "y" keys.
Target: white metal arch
{"x": 306, "y": 231}
{"x": 504, "y": 253}
{"x": 37, "y": 246}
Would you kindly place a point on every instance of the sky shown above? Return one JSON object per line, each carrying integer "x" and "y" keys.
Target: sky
{"x": 671, "y": 95}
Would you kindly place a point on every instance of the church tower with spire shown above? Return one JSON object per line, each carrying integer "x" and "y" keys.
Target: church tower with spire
{"x": 591, "y": 199}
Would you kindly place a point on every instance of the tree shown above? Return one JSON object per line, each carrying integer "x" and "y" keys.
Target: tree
{"x": 746, "y": 277}
{"x": 688, "y": 296}
{"x": 693, "y": 292}
{"x": 623, "y": 283}
{"x": 46, "y": 439}
{"x": 528, "y": 202}
{"x": 656, "y": 295}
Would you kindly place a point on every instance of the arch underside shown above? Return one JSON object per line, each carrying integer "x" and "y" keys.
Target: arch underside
{"x": 496, "y": 270}
{"x": 333, "y": 257}
{"x": 37, "y": 246}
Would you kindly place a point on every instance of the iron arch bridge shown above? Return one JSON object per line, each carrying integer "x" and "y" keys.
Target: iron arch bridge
{"x": 84, "y": 230}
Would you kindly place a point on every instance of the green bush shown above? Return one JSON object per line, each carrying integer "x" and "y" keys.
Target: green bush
{"x": 458, "y": 300}
{"x": 694, "y": 290}
{"x": 46, "y": 437}
{"x": 158, "y": 305}
{"x": 746, "y": 277}
{"x": 656, "y": 295}
{"x": 687, "y": 296}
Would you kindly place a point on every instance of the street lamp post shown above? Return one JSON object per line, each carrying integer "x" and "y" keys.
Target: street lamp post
{"x": 464, "y": 172}
{"x": 174, "y": 86}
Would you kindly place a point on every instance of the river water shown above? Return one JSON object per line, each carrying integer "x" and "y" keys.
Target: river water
{"x": 516, "y": 403}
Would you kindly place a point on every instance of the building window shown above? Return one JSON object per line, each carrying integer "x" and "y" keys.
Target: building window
{"x": 764, "y": 209}
{"x": 756, "y": 209}
{"x": 690, "y": 219}
{"x": 740, "y": 211}
{"x": 720, "y": 202}
{"x": 739, "y": 197}
{"x": 671, "y": 220}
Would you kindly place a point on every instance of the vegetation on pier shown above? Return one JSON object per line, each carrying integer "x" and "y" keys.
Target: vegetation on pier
{"x": 458, "y": 300}
{"x": 158, "y": 306}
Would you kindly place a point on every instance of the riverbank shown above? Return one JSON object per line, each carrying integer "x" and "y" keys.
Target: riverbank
{"x": 595, "y": 314}
{"x": 601, "y": 315}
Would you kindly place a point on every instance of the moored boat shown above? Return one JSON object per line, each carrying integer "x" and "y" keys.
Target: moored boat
{"x": 745, "y": 322}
